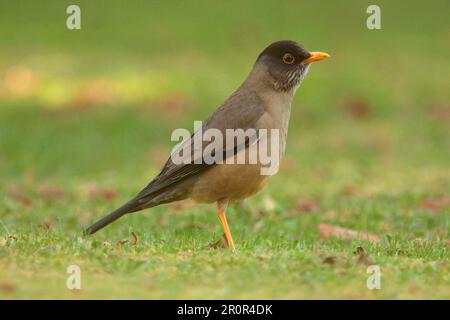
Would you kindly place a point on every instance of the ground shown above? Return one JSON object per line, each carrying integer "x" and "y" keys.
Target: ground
{"x": 85, "y": 122}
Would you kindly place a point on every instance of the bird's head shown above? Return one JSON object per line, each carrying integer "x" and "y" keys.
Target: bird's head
{"x": 286, "y": 63}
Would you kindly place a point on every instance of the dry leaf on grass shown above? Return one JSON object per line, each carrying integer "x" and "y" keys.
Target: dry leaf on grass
{"x": 174, "y": 103}
{"x": 436, "y": 205}
{"x": 356, "y": 107}
{"x": 262, "y": 257}
{"x": 327, "y": 230}
{"x": 304, "y": 206}
{"x": 85, "y": 217}
{"x": 53, "y": 193}
{"x": 109, "y": 194}
{"x": 440, "y": 111}
{"x": 47, "y": 225}
{"x": 94, "y": 93}
{"x": 18, "y": 196}
{"x": 329, "y": 260}
{"x": 93, "y": 191}
{"x": 6, "y": 286}
{"x": 348, "y": 191}
{"x": 43, "y": 192}
{"x": 310, "y": 205}
{"x": 106, "y": 194}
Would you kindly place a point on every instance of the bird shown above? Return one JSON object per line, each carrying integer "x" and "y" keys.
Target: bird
{"x": 262, "y": 101}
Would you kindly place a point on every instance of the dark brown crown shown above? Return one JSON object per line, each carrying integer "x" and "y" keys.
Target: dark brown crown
{"x": 278, "y": 49}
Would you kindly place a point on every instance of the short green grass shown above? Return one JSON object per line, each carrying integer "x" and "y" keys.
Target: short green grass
{"x": 368, "y": 150}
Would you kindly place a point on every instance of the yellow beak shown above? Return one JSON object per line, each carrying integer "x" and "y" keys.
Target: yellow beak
{"x": 316, "y": 56}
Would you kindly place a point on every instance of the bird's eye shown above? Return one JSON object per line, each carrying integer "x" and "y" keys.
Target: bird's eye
{"x": 288, "y": 58}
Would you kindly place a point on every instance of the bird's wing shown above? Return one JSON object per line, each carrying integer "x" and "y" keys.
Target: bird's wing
{"x": 238, "y": 112}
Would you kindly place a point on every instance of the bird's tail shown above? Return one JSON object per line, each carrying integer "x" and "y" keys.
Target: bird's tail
{"x": 113, "y": 216}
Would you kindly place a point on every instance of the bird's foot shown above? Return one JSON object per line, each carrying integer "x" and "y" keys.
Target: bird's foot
{"x": 221, "y": 243}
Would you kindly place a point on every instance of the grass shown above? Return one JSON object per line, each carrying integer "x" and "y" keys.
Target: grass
{"x": 85, "y": 120}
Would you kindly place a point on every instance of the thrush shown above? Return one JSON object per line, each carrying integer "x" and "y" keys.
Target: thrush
{"x": 263, "y": 101}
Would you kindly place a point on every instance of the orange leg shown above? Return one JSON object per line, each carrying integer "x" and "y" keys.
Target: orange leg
{"x": 226, "y": 229}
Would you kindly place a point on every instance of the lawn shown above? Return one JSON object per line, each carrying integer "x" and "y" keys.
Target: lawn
{"x": 85, "y": 123}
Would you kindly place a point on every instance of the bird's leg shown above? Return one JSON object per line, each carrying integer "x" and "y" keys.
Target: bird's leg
{"x": 221, "y": 208}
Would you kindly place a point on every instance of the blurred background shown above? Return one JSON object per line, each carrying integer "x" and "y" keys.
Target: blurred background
{"x": 84, "y": 103}
{"x": 86, "y": 115}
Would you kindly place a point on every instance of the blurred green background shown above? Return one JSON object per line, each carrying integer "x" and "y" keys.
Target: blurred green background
{"x": 85, "y": 122}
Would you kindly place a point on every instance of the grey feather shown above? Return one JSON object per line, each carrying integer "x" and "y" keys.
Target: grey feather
{"x": 240, "y": 111}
